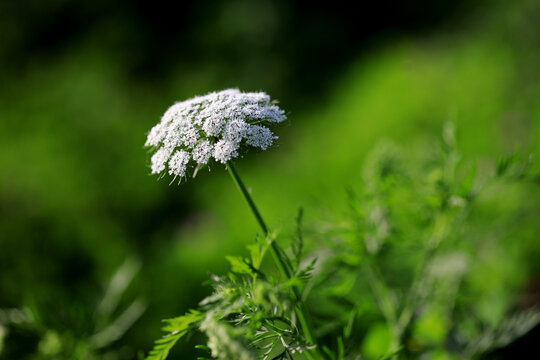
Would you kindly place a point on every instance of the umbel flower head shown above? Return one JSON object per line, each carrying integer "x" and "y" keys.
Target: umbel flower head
{"x": 213, "y": 127}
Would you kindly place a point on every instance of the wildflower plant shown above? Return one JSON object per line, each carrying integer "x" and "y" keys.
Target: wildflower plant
{"x": 219, "y": 127}
{"x": 384, "y": 283}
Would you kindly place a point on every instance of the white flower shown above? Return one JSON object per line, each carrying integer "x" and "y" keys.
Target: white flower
{"x": 235, "y": 130}
{"x": 214, "y": 126}
{"x": 178, "y": 163}
{"x": 190, "y": 137}
{"x": 202, "y": 152}
{"x": 260, "y": 136}
{"x": 155, "y": 135}
{"x": 223, "y": 344}
{"x": 172, "y": 141}
{"x": 159, "y": 159}
{"x": 225, "y": 150}
{"x": 273, "y": 113}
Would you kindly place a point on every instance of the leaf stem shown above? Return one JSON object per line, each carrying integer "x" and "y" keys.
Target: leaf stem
{"x": 278, "y": 255}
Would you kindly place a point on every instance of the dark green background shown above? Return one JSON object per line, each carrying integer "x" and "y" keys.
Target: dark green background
{"x": 81, "y": 83}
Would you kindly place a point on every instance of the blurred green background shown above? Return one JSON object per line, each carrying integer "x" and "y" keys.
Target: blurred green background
{"x": 81, "y": 83}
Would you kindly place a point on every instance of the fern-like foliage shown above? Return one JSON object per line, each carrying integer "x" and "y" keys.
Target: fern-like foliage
{"x": 249, "y": 315}
{"x": 175, "y": 328}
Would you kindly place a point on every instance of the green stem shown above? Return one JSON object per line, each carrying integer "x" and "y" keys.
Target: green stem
{"x": 277, "y": 254}
{"x": 384, "y": 301}
{"x": 439, "y": 232}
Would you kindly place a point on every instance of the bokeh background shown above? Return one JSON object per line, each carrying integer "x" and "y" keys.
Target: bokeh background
{"x": 81, "y": 83}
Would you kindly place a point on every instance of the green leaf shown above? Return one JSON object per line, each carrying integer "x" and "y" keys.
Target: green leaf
{"x": 258, "y": 249}
{"x": 514, "y": 166}
{"x": 239, "y": 265}
{"x": 298, "y": 241}
{"x": 468, "y": 181}
{"x": 163, "y": 346}
{"x": 377, "y": 341}
{"x": 182, "y": 323}
{"x": 177, "y": 327}
{"x": 350, "y": 323}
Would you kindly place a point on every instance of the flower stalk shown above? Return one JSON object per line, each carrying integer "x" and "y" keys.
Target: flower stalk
{"x": 277, "y": 255}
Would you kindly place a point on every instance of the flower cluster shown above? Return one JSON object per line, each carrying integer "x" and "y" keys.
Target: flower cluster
{"x": 215, "y": 126}
{"x": 222, "y": 342}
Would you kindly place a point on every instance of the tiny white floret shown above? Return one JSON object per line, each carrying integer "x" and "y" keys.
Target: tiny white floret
{"x": 260, "y": 136}
{"x": 235, "y": 130}
{"x": 159, "y": 159}
{"x": 202, "y": 152}
{"x": 178, "y": 163}
{"x": 225, "y": 150}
